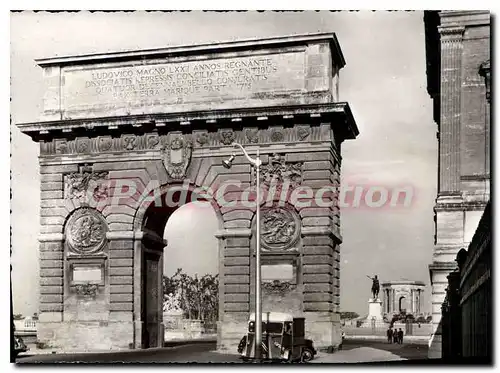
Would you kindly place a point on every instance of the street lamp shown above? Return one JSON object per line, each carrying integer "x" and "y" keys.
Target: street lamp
{"x": 258, "y": 299}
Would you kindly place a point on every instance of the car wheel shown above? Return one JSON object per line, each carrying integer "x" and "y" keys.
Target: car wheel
{"x": 307, "y": 355}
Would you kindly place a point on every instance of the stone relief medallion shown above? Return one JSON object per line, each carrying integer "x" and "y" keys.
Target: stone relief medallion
{"x": 129, "y": 142}
{"x": 202, "y": 139}
{"x": 82, "y": 185}
{"x": 104, "y": 144}
{"x": 277, "y": 136}
{"x": 280, "y": 228}
{"x": 227, "y": 137}
{"x": 303, "y": 133}
{"x": 152, "y": 141}
{"x": 86, "y": 231}
{"x": 177, "y": 152}
{"x": 278, "y": 171}
{"x": 252, "y": 136}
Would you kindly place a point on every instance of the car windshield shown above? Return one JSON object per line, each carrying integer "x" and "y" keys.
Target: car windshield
{"x": 274, "y": 327}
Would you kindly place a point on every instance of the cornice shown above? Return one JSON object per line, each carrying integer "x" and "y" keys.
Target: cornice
{"x": 231, "y": 118}
{"x": 255, "y": 43}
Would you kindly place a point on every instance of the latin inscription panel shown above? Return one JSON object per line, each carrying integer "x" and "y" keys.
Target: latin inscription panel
{"x": 212, "y": 81}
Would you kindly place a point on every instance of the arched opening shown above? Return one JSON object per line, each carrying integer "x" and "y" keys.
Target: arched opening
{"x": 178, "y": 234}
{"x": 191, "y": 265}
{"x": 403, "y": 306}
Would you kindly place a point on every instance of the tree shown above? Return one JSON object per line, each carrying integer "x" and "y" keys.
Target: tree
{"x": 199, "y": 296}
{"x": 348, "y": 315}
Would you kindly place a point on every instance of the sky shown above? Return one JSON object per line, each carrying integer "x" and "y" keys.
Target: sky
{"x": 384, "y": 82}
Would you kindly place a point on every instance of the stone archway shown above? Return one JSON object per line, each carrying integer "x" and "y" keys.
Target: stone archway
{"x": 150, "y": 220}
{"x": 124, "y": 121}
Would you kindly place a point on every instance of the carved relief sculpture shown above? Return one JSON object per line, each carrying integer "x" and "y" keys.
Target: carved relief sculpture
{"x": 303, "y": 133}
{"x": 61, "y": 146}
{"x": 82, "y": 145}
{"x": 252, "y": 135}
{"x": 280, "y": 228}
{"x": 81, "y": 185}
{"x": 87, "y": 290}
{"x": 104, "y": 144}
{"x": 86, "y": 231}
{"x": 129, "y": 142}
{"x": 277, "y": 136}
{"x": 152, "y": 141}
{"x": 177, "y": 152}
{"x": 227, "y": 137}
{"x": 202, "y": 139}
{"x": 279, "y": 171}
{"x": 277, "y": 287}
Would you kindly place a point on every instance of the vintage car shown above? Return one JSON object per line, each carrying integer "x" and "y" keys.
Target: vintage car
{"x": 282, "y": 339}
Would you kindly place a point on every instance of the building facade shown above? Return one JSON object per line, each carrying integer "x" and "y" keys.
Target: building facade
{"x": 458, "y": 70}
{"x": 467, "y": 321}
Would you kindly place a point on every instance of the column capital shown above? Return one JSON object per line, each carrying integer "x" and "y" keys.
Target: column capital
{"x": 451, "y": 32}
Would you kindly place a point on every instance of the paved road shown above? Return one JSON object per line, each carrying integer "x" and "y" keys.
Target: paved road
{"x": 195, "y": 353}
{"x": 408, "y": 350}
{"x": 352, "y": 352}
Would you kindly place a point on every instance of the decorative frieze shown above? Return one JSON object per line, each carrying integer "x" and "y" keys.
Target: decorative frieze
{"x": 155, "y": 141}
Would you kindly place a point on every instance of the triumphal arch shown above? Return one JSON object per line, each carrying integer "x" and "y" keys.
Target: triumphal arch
{"x": 120, "y": 131}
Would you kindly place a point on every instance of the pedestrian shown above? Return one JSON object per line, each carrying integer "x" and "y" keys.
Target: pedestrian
{"x": 400, "y": 336}
{"x": 395, "y": 335}
{"x": 390, "y": 332}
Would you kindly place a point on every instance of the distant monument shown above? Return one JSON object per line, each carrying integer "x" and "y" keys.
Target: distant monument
{"x": 374, "y": 305}
{"x": 375, "y": 286}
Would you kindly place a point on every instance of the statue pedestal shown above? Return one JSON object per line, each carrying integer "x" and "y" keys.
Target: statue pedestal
{"x": 374, "y": 318}
{"x": 375, "y": 310}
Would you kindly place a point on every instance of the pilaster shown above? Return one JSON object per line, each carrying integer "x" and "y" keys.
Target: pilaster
{"x": 449, "y": 144}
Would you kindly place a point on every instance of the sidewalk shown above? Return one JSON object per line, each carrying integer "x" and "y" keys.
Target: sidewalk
{"x": 420, "y": 339}
{"x": 356, "y": 355}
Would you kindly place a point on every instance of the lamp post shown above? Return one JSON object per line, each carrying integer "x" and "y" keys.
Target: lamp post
{"x": 258, "y": 298}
